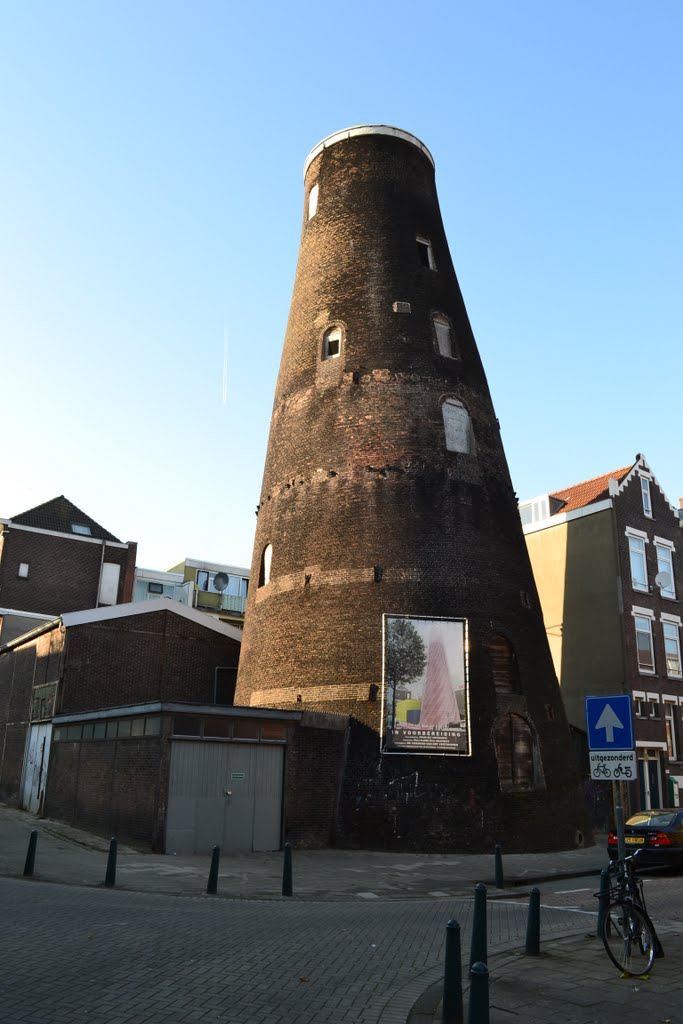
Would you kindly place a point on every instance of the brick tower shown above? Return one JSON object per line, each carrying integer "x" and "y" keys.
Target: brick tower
{"x": 390, "y": 578}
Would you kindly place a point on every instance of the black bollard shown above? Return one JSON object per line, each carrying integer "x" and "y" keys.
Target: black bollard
{"x": 110, "y": 876}
{"x": 212, "y": 884}
{"x": 287, "y": 872}
{"x": 478, "y": 949}
{"x": 452, "y": 978}
{"x": 479, "y": 995}
{"x": 533, "y": 924}
{"x": 499, "y": 867}
{"x": 603, "y": 901}
{"x": 30, "y": 861}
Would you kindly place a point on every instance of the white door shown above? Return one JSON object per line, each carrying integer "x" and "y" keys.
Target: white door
{"x": 35, "y": 767}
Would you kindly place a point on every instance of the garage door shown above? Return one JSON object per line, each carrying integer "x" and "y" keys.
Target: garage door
{"x": 224, "y": 794}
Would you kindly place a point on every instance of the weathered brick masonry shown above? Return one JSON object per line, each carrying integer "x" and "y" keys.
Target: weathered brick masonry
{"x": 151, "y": 657}
{"x": 369, "y": 513}
{"x": 64, "y": 568}
{"x": 35, "y": 664}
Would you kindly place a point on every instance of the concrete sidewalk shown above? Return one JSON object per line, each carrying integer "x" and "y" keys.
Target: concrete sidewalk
{"x": 68, "y": 855}
{"x": 573, "y": 982}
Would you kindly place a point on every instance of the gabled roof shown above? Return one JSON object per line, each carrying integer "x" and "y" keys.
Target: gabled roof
{"x": 60, "y": 515}
{"x": 580, "y": 495}
{"x": 125, "y": 611}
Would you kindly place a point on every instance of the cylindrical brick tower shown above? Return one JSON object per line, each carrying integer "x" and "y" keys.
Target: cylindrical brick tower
{"x": 390, "y": 579}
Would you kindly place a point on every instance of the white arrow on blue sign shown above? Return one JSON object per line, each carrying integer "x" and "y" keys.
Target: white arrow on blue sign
{"x": 609, "y": 722}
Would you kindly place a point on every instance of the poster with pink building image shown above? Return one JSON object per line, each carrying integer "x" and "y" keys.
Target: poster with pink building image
{"x": 425, "y": 685}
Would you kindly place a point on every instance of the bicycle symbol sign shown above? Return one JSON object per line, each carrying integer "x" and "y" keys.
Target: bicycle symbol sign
{"x": 613, "y": 765}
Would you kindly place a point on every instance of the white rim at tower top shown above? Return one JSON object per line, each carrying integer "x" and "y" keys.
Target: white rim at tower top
{"x": 366, "y": 129}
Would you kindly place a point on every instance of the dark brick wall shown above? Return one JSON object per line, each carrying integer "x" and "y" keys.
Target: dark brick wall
{"x": 20, "y": 671}
{"x": 64, "y": 572}
{"x": 314, "y": 764}
{"x": 357, "y": 475}
{"x": 110, "y": 787}
{"x": 150, "y": 657}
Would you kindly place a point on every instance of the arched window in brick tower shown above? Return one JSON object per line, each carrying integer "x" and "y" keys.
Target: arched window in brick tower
{"x": 264, "y": 569}
{"x": 457, "y": 427}
{"x": 504, "y": 667}
{"x": 515, "y": 746}
{"x": 332, "y": 341}
{"x": 313, "y": 201}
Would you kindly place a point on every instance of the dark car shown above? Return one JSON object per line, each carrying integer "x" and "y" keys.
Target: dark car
{"x": 657, "y": 834}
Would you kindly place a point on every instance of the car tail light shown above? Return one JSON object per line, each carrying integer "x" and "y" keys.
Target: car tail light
{"x": 661, "y": 839}
{"x": 612, "y": 839}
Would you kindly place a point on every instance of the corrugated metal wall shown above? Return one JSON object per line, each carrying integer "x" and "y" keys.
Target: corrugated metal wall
{"x": 224, "y": 794}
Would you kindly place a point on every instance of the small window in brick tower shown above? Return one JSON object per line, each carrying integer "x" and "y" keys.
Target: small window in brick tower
{"x": 444, "y": 336}
{"x": 266, "y": 560}
{"x": 504, "y": 667}
{"x": 425, "y": 253}
{"x": 457, "y": 426}
{"x": 332, "y": 343}
{"x": 514, "y": 743}
{"x": 313, "y": 201}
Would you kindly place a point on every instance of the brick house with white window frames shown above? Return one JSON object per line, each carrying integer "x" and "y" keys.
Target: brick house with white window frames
{"x": 607, "y": 555}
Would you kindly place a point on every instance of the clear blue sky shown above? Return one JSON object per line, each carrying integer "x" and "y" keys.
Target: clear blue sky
{"x": 151, "y": 159}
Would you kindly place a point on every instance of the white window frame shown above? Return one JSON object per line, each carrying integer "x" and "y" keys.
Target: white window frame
{"x": 421, "y": 240}
{"x": 266, "y": 564}
{"x": 666, "y": 549}
{"x": 109, "y": 583}
{"x": 331, "y": 336}
{"x": 670, "y": 723}
{"x": 645, "y": 616}
{"x": 646, "y": 496}
{"x": 81, "y": 529}
{"x": 453, "y": 431}
{"x": 637, "y": 540}
{"x": 638, "y": 697}
{"x": 313, "y": 201}
{"x": 673, "y": 623}
{"x": 444, "y": 334}
{"x": 653, "y": 706}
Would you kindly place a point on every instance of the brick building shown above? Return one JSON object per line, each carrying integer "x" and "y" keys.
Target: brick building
{"x": 121, "y": 720}
{"x": 606, "y": 555}
{"x": 390, "y": 581}
{"x": 53, "y": 559}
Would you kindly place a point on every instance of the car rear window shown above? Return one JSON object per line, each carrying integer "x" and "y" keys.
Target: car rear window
{"x": 653, "y": 820}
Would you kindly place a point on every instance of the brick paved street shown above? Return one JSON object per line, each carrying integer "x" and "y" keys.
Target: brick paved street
{"x": 74, "y": 954}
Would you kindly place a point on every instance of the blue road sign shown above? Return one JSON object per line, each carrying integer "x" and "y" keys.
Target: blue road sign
{"x": 609, "y": 722}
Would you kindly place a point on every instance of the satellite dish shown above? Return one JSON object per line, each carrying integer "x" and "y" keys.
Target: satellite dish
{"x": 663, "y": 580}
{"x": 220, "y": 581}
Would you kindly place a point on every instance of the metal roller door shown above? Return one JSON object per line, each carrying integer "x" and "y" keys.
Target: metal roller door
{"x": 224, "y": 794}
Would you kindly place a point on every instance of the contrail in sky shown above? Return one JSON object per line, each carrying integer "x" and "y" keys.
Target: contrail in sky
{"x": 224, "y": 384}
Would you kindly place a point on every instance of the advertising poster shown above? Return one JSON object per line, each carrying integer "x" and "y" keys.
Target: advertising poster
{"x": 425, "y": 686}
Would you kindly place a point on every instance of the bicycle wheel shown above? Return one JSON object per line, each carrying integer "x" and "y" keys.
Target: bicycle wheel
{"x": 629, "y": 938}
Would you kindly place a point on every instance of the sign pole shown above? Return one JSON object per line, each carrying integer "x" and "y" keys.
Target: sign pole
{"x": 619, "y": 815}
{"x": 621, "y": 842}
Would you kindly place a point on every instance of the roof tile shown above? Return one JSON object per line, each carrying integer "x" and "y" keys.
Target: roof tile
{"x": 580, "y": 495}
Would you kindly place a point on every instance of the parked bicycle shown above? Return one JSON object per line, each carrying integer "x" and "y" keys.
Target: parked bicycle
{"x": 628, "y": 933}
